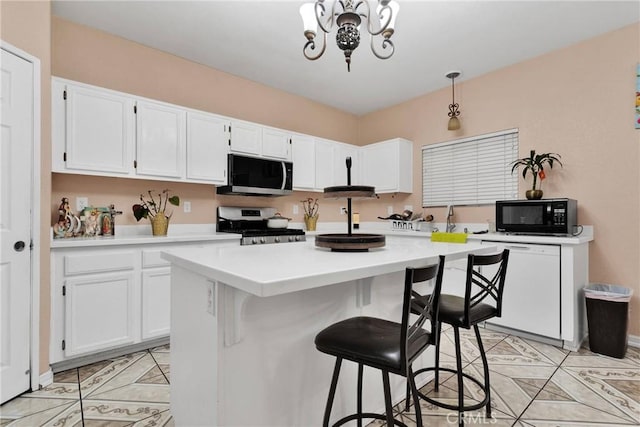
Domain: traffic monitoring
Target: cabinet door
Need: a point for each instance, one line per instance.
(99, 131)
(341, 152)
(304, 162)
(160, 143)
(380, 167)
(98, 312)
(207, 147)
(324, 164)
(531, 298)
(276, 144)
(246, 138)
(156, 302)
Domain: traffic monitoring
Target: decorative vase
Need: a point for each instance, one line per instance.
(534, 194)
(159, 225)
(310, 222)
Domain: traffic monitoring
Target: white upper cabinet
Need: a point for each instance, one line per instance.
(160, 140)
(340, 153)
(388, 166)
(246, 138)
(97, 132)
(207, 147)
(304, 162)
(325, 176)
(276, 143)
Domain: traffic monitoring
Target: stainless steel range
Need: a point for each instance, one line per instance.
(252, 223)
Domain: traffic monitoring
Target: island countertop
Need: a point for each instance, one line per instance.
(268, 270)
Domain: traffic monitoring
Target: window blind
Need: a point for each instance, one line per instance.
(470, 171)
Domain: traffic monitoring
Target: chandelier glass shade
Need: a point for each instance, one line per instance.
(348, 16)
(454, 121)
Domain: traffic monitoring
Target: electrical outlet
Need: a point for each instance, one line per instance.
(187, 206)
(295, 209)
(389, 210)
(343, 210)
(81, 203)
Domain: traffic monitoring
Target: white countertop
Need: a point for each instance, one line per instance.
(267, 270)
(141, 235)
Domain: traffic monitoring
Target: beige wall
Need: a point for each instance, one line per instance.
(27, 26)
(577, 102)
(90, 56)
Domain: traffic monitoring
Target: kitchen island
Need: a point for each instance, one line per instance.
(243, 321)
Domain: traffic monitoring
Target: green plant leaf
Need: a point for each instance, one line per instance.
(140, 212)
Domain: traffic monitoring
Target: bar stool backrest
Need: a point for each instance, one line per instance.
(485, 284)
(412, 329)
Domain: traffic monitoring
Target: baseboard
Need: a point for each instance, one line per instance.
(46, 378)
(633, 341)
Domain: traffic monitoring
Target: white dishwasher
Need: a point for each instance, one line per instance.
(531, 298)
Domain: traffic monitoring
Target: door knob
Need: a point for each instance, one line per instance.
(18, 246)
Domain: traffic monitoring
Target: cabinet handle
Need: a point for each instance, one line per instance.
(524, 248)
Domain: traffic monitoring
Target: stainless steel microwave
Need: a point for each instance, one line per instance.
(544, 216)
(255, 176)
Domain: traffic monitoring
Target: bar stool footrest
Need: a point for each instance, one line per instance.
(366, 415)
(446, 405)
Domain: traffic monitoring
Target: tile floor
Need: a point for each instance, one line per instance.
(533, 384)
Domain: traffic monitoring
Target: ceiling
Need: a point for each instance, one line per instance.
(262, 41)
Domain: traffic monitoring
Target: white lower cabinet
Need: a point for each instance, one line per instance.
(108, 298)
(156, 302)
(98, 312)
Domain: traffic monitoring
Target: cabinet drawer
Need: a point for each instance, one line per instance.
(151, 258)
(99, 262)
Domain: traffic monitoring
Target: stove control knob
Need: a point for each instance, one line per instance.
(297, 238)
(291, 238)
(254, 241)
(262, 240)
(277, 239)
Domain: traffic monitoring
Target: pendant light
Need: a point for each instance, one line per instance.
(454, 121)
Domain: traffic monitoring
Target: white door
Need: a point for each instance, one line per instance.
(380, 166)
(324, 164)
(16, 141)
(160, 142)
(207, 147)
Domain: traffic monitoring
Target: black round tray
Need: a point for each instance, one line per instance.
(350, 243)
(349, 191)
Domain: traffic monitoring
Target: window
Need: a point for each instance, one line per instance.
(470, 171)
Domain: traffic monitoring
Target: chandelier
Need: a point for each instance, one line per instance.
(348, 15)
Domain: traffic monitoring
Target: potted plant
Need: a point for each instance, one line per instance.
(535, 164)
(155, 209)
(310, 207)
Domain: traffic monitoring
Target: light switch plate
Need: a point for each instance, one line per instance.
(295, 209)
(187, 207)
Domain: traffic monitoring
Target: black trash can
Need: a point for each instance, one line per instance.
(608, 318)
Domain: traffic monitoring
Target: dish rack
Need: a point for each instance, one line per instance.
(400, 225)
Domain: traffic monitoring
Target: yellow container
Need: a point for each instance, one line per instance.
(159, 225)
(449, 237)
(310, 222)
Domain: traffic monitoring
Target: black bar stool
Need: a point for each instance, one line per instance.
(385, 345)
(482, 301)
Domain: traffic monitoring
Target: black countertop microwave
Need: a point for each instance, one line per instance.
(254, 176)
(544, 216)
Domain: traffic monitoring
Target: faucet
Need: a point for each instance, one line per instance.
(450, 226)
